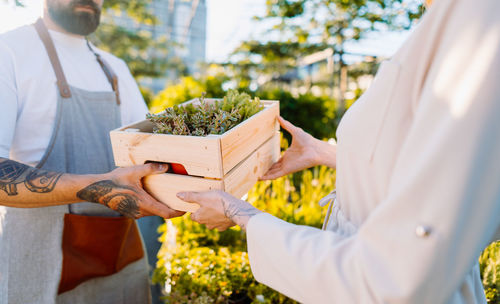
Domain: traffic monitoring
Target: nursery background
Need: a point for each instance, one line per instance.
(315, 56)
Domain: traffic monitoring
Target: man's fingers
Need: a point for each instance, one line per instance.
(145, 213)
(151, 168)
(157, 208)
(168, 213)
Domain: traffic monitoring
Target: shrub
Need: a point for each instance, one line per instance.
(489, 262)
(186, 89)
(314, 114)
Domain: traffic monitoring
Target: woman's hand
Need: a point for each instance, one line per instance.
(304, 152)
(219, 210)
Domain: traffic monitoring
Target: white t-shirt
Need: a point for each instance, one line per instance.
(28, 91)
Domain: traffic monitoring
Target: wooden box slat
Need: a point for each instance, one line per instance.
(211, 156)
(199, 155)
(237, 182)
(242, 178)
(246, 137)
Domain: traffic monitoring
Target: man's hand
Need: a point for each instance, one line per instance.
(304, 152)
(122, 191)
(219, 209)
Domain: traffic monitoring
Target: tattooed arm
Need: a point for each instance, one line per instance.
(23, 186)
(219, 209)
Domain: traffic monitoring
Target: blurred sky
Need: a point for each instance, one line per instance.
(228, 23)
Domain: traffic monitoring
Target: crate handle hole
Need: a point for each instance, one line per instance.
(174, 168)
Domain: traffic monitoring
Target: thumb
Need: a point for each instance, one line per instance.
(285, 124)
(151, 168)
(192, 197)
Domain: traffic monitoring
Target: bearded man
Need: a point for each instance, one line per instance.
(67, 219)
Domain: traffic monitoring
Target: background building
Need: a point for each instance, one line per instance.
(183, 23)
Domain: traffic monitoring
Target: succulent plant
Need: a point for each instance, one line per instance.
(206, 118)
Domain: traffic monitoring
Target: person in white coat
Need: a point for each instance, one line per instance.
(418, 177)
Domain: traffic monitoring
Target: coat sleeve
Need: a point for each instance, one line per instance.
(8, 100)
(443, 201)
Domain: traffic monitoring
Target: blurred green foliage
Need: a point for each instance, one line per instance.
(186, 89)
(134, 47)
(315, 114)
(489, 262)
(299, 28)
(145, 55)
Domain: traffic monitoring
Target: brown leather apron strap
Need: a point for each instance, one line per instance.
(110, 74)
(62, 84)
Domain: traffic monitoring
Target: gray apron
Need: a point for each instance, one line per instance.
(31, 240)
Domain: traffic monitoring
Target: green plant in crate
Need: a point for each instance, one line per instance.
(206, 118)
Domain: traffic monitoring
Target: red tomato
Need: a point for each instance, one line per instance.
(178, 169)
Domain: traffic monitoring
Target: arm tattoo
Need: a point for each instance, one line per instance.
(112, 195)
(13, 173)
(40, 181)
(234, 210)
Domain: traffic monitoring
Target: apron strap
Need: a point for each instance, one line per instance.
(62, 84)
(110, 74)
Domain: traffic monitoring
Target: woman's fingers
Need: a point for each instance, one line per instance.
(192, 197)
(285, 124)
(194, 216)
(274, 171)
(274, 174)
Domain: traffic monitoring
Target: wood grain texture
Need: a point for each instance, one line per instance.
(199, 155)
(238, 182)
(164, 188)
(239, 142)
(244, 176)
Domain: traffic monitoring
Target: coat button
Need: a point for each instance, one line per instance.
(423, 231)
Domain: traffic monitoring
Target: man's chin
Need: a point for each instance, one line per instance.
(80, 20)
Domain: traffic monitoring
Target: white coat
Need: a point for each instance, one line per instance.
(418, 177)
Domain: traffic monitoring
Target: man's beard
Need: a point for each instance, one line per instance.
(76, 22)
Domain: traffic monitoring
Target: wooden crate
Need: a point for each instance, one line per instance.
(232, 162)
